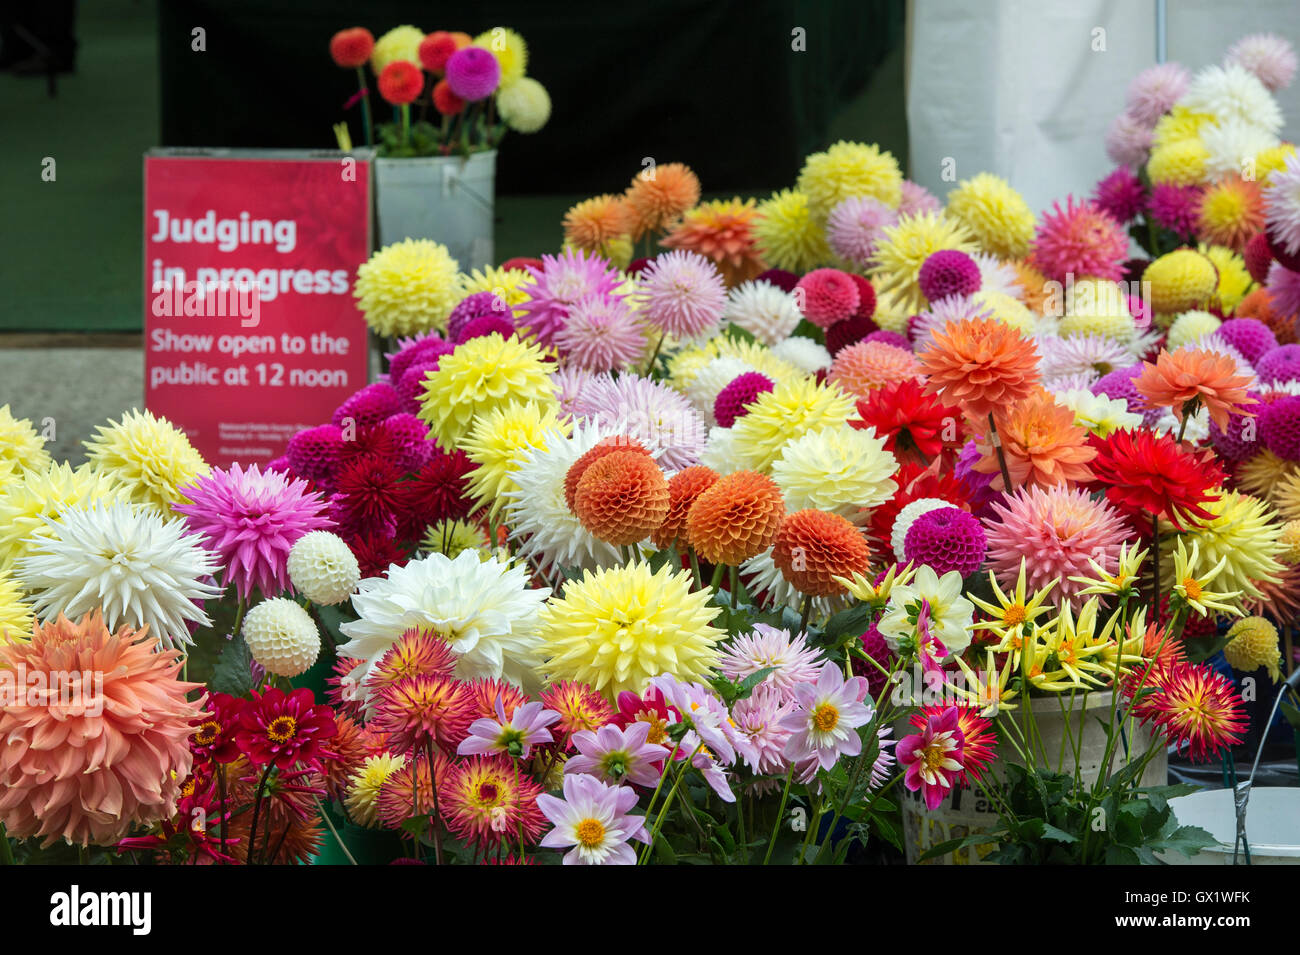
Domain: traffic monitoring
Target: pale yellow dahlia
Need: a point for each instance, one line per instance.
(1189, 327)
(399, 43)
(482, 374)
(501, 438)
(506, 284)
(1244, 533)
(16, 615)
(1180, 124)
(148, 456)
(903, 249)
(1181, 163)
(407, 287)
(615, 629)
(788, 235)
(20, 446)
(847, 170)
(1234, 279)
(1265, 475)
(454, 537)
(363, 787)
(843, 470)
(787, 412)
(525, 106)
(510, 50)
(995, 213)
(1252, 643)
(1007, 310)
(47, 493)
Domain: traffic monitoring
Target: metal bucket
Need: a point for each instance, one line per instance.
(449, 199)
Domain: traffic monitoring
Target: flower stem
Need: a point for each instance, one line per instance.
(437, 814)
(735, 585)
(406, 123)
(695, 568)
(803, 616)
(6, 850)
(365, 107)
(996, 440)
(257, 811)
(649, 366)
(780, 814)
(668, 802)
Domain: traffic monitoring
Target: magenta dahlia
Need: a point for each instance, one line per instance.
(1080, 241)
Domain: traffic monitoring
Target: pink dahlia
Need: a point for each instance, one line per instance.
(106, 747)
(1128, 140)
(314, 453)
(827, 718)
(954, 308)
(1155, 90)
(861, 368)
(602, 334)
(480, 326)
(473, 73)
(683, 294)
(948, 272)
(732, 401)
(369, 406)
(562, 282)
(663, 420)
(615, 755)
(513, 736)
(917, 200)
(411, 385)
(250, 519)
(595, 820)
(829, 296)
(1268, 56)
(1282, 196)
(932, 758)
(1176, 208)
(474, 306)
(759, 718)
(1080, 241)
(790, 658)
(1054, 531)
(1283, 289)
(855, 225)
(1120, 195)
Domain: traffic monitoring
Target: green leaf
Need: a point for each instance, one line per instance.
(735, 331)
(659, 558)
(806, 329)
(1291, 714)
(1200, 650)
(233, 673)
(943, 848)
(1057, 835)
(754, 679)
(1185, 840)
(1121, 855)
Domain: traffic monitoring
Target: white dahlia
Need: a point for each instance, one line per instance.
(322, 568)
(142, 569)
(1232, 142)
(282, 637)
(838, 469)
(804, 353)
(768, 313)
(1232, 91)
(483, 609)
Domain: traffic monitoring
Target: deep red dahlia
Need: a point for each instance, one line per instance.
(1144, 474)
(916, 426)
(284, 728)
(439, 491)
(1196, 708)
(214, 736)
(375, 553)
(369, 496)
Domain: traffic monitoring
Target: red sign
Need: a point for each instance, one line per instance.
(251, 331)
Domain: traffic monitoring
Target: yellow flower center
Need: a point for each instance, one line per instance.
(590, 833)
(282, 729)
(933, 757)
(207, 733)
(825, 717)
(1014, 615)
(1192, 588)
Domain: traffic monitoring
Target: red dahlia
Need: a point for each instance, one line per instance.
(284, 728)
(916, 426)
(1145, 474)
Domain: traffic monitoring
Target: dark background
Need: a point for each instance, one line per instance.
(714, 84)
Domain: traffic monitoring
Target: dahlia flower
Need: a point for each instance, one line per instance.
(482, 608)
(790, 659)
(21, 448)
(1079, 240)
(514, 736)
(615, 629)
(284, 728)
(1241, 530)
(407, 287)
(91, 759)
(1267, 55)
(803, 353)
(15, 614)
(1282, 196)
(1128, 140)
(905, 247)
(839, 469)
(849, 169)
(509, 49)
(593, 818)
(1120, 195)
(364, 786)
(281, 637)
(1252, 644)
(602, 334)
(1195, 708)
(765, 311)
(486, 801)
(148, 456)
(759, 720)
(142, 570)
(855, 225)
(649, 411)
(499, 439)
(784, 414)
(1194, 377)
(37, 495)
(1041, 446)
(322, 568)
(525, 106)
(615, 755)
(720, 230)
(661, 194)
(591, 224)
(829, 713)
(933, 759)
(1233, 92)
(950, 614)
(682, 294)
(1155, 90)
(859, 369)
(788, 235)
(560, 283)
(399, 43)
(980, 365)
(994, 213)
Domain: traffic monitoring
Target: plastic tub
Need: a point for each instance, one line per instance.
(1272, 825)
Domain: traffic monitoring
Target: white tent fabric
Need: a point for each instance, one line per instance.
(1027, 88)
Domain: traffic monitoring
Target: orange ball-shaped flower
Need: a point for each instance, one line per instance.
(660, 194)
(863, 367)
(107, 747)
(1193, 374)
(735, 518)
(814, 547)
(683, 488)
(1041, 443)
(401, 83)
(981, 365)
(1258, 304)
(605, 447)
(592, 223)
(622, 498)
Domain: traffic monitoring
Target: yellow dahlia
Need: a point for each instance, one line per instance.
(500, 439)
(1180, 163)
(721, 230)
(1095, 307)
(507, 284)
(510, 50)
(1265, 475)
(482, 374)
(47, 493)
(1290, 541)
(407, 287)
(849, 170)
(148, 456)
(399, 43)
(842, 470)
(787, 412)
(1180, 124)
(891, 311)
(788, 236)
(1272, 160)
(1180, 280)
(1244, 533)
(1190, 326)
(617, 628)
(1234, 279)
(903, 249)
(1007, 310)
(15, 614)
(453, 537)
(1252, 643)
(20, 446)
(997, 215)
(1232, 212)
(364, 785)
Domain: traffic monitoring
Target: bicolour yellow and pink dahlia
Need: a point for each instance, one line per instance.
(106, 747)
(1079, 241)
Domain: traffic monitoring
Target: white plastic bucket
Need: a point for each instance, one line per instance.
(449, 199)
(1272, 826)
(969, 811)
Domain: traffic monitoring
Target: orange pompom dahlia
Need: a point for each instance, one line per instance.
(683, 488)
(813, 547)
(981, 365)
(1042, 445)
(103, 744)
(592, 223)
(659, 195)
(863, 367)
(579, 467)
(622, 498)
(721, 231)
(736, 518)
(1197, 376)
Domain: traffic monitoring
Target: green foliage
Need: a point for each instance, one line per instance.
(233, 673)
